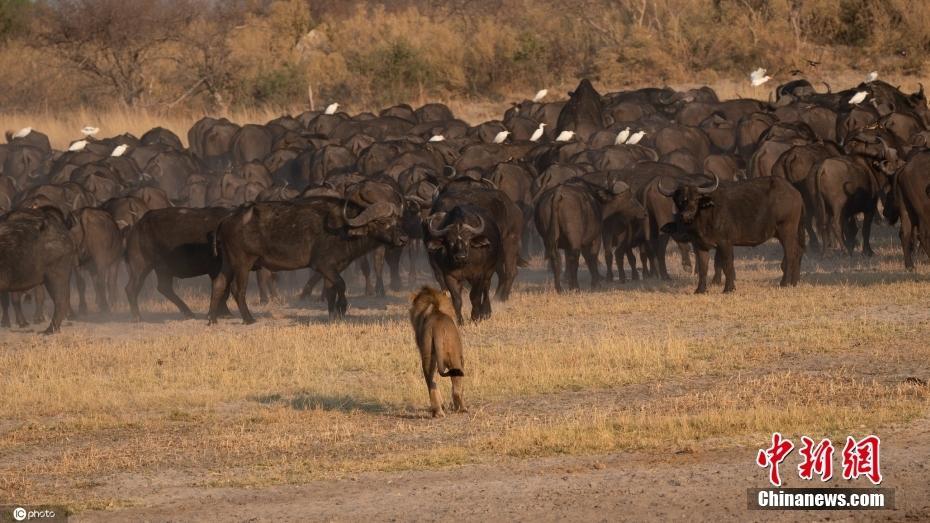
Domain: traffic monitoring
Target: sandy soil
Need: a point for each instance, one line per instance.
(638, 486)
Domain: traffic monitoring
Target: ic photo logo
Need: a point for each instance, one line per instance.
(33, 514)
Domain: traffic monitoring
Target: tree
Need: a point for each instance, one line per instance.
(114, 41)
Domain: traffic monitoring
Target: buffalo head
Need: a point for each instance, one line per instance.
(456, 233)
(690, 199)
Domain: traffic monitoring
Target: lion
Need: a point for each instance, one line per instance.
(431, 314)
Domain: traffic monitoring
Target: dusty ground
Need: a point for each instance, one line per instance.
(640, 400)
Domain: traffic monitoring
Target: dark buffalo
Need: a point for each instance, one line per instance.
(570, 217)
(508, 219)
(465, 245)
(910, 202)
(175, 243)
(323, 233)
(99, 245)
(35, 248)
(583, 113)
(846, 187)
(746, 213)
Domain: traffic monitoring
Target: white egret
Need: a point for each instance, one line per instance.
(537, 134)
(565, 136)
(858, 98)
(758, 77)
(331, 108)
(119, 150)
(22, 133)
(90, 131)
(636, 138)
(622, 136)
(540, 95)
(437, 138)
(501, 136)
(872, 77)
(78, 145)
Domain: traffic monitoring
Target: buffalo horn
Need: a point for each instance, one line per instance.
(708, 190)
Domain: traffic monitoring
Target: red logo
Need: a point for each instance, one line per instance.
(861, 459)
(774, 455)
(817, 460)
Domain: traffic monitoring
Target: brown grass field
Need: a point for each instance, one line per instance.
(113, 419)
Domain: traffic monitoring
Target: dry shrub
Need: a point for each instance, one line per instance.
(246, 54)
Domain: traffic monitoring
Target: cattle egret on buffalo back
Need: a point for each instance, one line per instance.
(565, 136)
(537, 134)
(622, 136)
(437, 138)
(858, 98)
(758, 77)
(331, 108)
(119, 150)
(501, 136)
(90, 131)
(78, 146)
(872, 77)
(636, 138)
(22, 133)
(540, 95)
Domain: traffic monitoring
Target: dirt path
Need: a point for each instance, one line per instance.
(637, 486)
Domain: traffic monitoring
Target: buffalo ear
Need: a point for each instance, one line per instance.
(434, 245)
(705, 203)
(358, 231)
(480, 242)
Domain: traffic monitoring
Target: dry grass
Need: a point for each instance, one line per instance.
(648, 366)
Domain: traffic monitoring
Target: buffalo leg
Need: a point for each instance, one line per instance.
(219, 293)
(703, 257)
(58, 285)
(906, 233)
(571, 268)
(100, 289)
(555, 262)
(307, 291)
(507, 272)
(724, 254)
(685, 256)
(659, 250)
(365, 268)
(17, 299)
(377, 266)
(609, 248)
(836, 222)
(619, 254)
(82, 289)
(166, 288)
(5, 309)
(718, 268)
(38, 295)
(393, 256)
(412, 249)
(137, 277)
(455, 289)
(867, 233)
(241, 280)
(590, 259)
(480, 299)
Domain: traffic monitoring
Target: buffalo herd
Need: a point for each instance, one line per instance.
(621, 172)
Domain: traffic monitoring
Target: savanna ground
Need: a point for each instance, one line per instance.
(639, 400)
